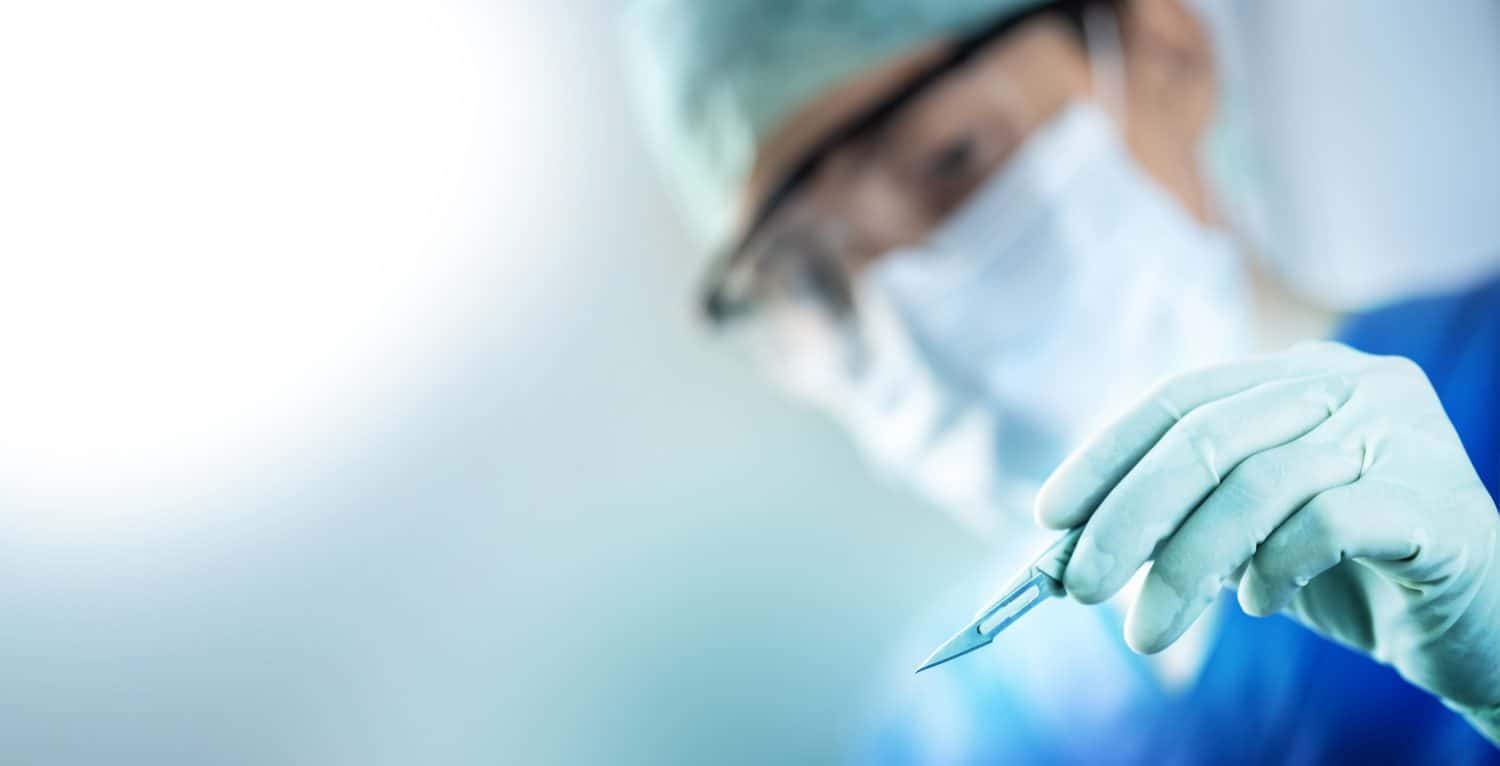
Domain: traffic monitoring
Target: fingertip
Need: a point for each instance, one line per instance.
(1141, 640)
(1050, 517)
(1150, 625)
(1084, 577)
(1144, 644)
(1148, 629)
(1252, 608)
(1252, 595)
(1056, 506)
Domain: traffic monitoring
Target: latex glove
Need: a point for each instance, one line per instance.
(1321, 482)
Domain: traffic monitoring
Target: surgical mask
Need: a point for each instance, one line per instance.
(1058, 293)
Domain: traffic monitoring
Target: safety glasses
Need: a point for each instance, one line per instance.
(783, 259)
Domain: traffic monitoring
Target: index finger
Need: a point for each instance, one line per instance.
(1072, 493)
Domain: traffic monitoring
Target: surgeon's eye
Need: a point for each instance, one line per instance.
(954, 160)
(950, 172)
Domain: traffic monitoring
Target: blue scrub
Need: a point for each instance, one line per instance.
(1062, 688)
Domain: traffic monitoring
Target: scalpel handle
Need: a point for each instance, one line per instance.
(1054, 561)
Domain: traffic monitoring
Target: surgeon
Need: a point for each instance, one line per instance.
(988, 237)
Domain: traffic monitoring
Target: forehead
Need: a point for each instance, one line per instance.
(790, 141)
(1038, 57)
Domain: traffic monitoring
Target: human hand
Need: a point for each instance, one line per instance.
(1321, 482)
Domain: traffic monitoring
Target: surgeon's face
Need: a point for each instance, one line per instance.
(892, 186)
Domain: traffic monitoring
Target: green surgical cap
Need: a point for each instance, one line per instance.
(713, 77)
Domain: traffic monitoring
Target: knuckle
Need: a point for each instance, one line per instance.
(1207, 424)
(1178, 395)
(1198, 424)
(1400, 364)
(1191, 443)
(1167, 397)
(1403, 368)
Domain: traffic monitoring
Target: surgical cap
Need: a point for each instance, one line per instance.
(713, 78)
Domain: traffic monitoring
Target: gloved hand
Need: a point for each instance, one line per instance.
(1321, 482)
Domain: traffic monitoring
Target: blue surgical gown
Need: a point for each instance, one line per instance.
(1062, 688)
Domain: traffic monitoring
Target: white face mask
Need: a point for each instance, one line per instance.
(1061, 290)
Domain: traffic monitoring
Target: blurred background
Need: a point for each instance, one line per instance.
(352, 409)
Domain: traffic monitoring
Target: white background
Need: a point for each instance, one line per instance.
(352, 412)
